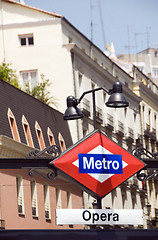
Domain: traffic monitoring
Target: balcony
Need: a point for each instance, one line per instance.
(138, 138)
(99, 115)
(134, 184)
(120, 129)
(150, 132)
(153, 134)
(130, 134)
(86, 107)
(147, 131)
(109, 122)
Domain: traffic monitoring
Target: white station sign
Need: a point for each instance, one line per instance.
(99, 216)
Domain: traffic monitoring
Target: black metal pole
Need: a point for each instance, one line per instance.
(99, 203)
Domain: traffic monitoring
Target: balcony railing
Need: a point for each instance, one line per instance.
(150, 132)
(153, 134)
(147, 131)
(99, 115)
(86, 107)
(130, 134)
(134, 182)
(110, 122)
(120, 129)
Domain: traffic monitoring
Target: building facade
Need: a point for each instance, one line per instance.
(47, 43)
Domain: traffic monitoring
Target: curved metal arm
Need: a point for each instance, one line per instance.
(138, 152)
(142, 176)
(94, 90)
(94, 105)
(149, 159)
(54, 150)
(50, 175)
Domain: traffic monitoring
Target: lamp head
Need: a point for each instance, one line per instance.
(117, 98)
(72, 112)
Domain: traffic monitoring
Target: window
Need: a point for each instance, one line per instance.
(50, 137)
(27, 132)
(26, 40)
(46, 201)
(39, 136)
(34, 198)
(155, 72)
(80, 77)
(58, 197)
(69, 200)
(70, 40)
(20, 199)
(80, 84)
(144, 116)
(13, 126)
(29, 79)
(150, 120)
(62, 142)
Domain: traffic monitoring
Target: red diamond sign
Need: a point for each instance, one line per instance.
(98, 164)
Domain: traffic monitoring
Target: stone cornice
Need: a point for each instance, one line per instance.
(10, 148)
(144, 90)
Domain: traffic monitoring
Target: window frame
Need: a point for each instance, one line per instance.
(27, 132)
(27, 38)
(47, 201)
(50, 137)
(13, 126)
(29, 80)
(20, 195)
(61, 142)
(34, 201)
(39, 136)
(155, 72)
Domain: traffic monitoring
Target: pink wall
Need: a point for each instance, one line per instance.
(9, 206)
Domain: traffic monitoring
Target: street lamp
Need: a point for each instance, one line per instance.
(116, 100)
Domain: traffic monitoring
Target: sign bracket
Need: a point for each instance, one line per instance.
(151, 160)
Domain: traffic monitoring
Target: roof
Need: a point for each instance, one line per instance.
(20, 103)
(33, 8)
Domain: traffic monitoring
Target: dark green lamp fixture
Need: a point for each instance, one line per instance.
(116, 100)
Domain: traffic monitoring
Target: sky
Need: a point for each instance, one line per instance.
(131, 25)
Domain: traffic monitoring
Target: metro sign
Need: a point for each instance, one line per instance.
(97, 164)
